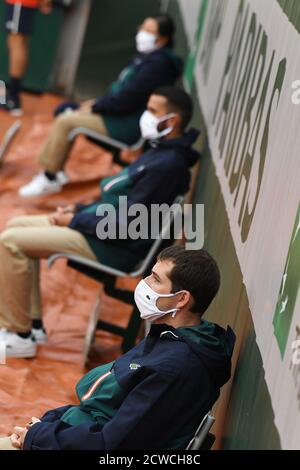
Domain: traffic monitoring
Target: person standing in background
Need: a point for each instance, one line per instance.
(19, 23)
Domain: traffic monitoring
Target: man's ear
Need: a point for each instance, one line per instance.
(175, 121)
(185, 298)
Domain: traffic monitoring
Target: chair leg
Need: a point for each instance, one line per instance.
(91, 329)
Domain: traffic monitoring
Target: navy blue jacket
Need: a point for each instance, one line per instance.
(124, 102)
(158, 176)
(176, 382)
(159, 68)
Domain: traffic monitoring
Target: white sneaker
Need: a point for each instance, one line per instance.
(3, 332)
(16, 112)
(40, 335)
(62, 177)
(17, 346)
(39, 185)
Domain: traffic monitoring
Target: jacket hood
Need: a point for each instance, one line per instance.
(174, 58)
(211, 343)
(183, 143)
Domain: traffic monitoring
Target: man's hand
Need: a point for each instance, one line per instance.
(46, 7)
(19, 434)
(86, 106)
(131, 156)
(61, 219)
(63, 215)
(15, 441)
(71, 208)
(18, 437)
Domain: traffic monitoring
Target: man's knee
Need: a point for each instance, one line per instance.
(15, 222)
(17, 40)
(10, 238)
(28, 221)
(64, 122)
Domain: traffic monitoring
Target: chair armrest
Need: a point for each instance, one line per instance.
(97, 136)
(104, 139)
(8, 138)
(138, 144)
(86, 262)
(201, 433)
(137, 272)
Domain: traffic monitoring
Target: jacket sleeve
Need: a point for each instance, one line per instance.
(142, 422)
(85, 222)
(56, 413)
(133, 96)
(151, 183)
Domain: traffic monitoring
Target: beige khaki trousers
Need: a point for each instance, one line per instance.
(57, 148)
(5, 444)
(23, 243)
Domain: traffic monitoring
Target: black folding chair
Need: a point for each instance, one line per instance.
(203, 439)
(112, 145)
(8, 138)
(108, 277)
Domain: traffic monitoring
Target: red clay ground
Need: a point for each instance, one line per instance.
(29, 387)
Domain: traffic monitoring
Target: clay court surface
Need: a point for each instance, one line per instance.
(29, 387)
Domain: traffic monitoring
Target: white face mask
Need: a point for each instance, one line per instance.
(149, 125)
(145, 42)
(146, 298)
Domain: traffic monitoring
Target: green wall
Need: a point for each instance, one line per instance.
(245, 418)
(109, 42)
(250, 418)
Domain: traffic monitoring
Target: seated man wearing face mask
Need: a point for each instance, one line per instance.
(157, 177)
(154, 396)
(117, 113)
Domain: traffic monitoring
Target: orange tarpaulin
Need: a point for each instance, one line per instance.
(29, 387)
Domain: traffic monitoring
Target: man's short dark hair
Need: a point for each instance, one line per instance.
(195, 271)
(178, 101)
